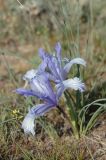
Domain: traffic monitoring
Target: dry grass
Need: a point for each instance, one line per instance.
(19, 41)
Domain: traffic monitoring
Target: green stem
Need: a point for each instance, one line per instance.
(78, 94)
(73, 114)
(63, 112)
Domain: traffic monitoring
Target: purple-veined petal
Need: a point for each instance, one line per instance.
(68, 66)
(50, 92)
(36, 85)
(28, 124)
(28, 92)
(41, 109)
(35, 112)
(60, 89)
(41, 85)
(52, 66)
(58, 67)
(51, 62)
(74, 83)
(48, 63)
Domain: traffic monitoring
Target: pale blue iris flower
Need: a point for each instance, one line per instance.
(39, 86)
(51, 68)
(58, 71)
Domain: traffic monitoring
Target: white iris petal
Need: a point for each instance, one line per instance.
(74, 83)
(30, 75)
(28, 124)
(68, 66)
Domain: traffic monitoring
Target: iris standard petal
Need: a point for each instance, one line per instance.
(52, 66)
(68, 66)
(52, 63)
(74, 83)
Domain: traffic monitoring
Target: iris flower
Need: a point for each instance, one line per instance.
(51, 68)
(58, 71)
(40, 87)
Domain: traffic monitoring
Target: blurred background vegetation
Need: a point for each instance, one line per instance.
(80, 25)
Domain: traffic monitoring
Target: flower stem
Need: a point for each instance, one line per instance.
(63, 112)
